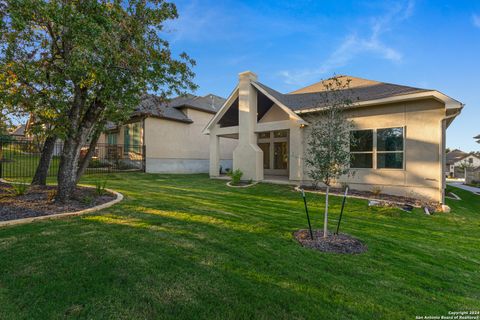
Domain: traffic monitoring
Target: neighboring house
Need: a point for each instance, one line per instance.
(458, 160)
(168, 134)
(272, 129)
(19, 133)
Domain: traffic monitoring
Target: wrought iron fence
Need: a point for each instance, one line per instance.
(19, 158)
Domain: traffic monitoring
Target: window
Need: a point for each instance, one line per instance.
(132, 137)
(280, 134)
(390, 148)
(387, 149)
(470, 160)
(112, 138)
(264, 135)
(361, 149)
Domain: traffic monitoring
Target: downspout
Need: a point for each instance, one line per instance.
(441, 152)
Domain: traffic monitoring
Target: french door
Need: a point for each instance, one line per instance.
(274, 145)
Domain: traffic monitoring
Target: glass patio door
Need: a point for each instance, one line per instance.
(274, 145)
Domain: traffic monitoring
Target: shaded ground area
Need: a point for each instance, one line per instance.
(38, 201)
(341, 243)
(184, 246)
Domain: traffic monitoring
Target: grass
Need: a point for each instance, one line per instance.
(21, 165)
(183, 247)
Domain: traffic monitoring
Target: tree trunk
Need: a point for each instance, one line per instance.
(41, 173)
(67, 171)
(80, 130)
(325, 221)
(91, 150)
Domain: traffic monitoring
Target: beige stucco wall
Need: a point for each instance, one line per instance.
(275, 113)
(423, 151)
(178, 147)
(168, 139)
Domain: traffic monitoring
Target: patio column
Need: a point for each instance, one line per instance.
(247, 156)
(296, 152)
(214, 155)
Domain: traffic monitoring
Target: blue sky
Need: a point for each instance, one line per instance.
(290, 44)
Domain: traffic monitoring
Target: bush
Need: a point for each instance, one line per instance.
(51, 195)
(96, 163)
(101, 187)
(376, 191)
(19, 189)
(236, 176)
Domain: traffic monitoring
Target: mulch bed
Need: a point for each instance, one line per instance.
(35, 202)
(370, 195)
(341, 243)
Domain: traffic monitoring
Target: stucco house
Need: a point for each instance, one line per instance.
(401, 132)
(457, 160)
(167, 135)
(19, 133)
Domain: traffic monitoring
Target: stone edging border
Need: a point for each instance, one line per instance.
(65, 214)
(297, 188)
(229, 183)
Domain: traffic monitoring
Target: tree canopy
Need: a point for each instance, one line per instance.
(74, 64)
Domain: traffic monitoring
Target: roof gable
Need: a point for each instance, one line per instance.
(354, 82)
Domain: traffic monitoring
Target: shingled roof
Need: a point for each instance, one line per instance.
(19, 131)
(455, 156)
(154, 106)
(359, 90)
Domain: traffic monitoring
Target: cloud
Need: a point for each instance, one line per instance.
(476, 20)
(355, 44)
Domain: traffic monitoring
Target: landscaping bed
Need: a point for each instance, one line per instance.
(393, 200)
(341, 243)
(38, 201)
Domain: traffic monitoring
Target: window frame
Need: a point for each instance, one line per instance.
(384, 152)
(375, 152)
(365, 152)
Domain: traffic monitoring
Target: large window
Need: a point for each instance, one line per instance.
(112, 138)
(132, 138)
(387, 149)
(361, 149)
(390, 148)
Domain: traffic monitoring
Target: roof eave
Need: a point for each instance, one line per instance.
(187, 106)
(288, 110)
(231, 98)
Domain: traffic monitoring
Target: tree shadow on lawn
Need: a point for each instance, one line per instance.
(153, 266)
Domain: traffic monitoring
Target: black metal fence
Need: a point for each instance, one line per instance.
(19, 158)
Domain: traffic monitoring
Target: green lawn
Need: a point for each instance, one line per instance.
(21, 165)
(186, 247)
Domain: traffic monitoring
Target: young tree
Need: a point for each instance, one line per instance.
(76, 64)
(327, 153)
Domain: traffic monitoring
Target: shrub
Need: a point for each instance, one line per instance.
(87, 200)
(51, 195)
(376, 191)
(236, 176)
(96, 163)
(19, 189)
(101, 187)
